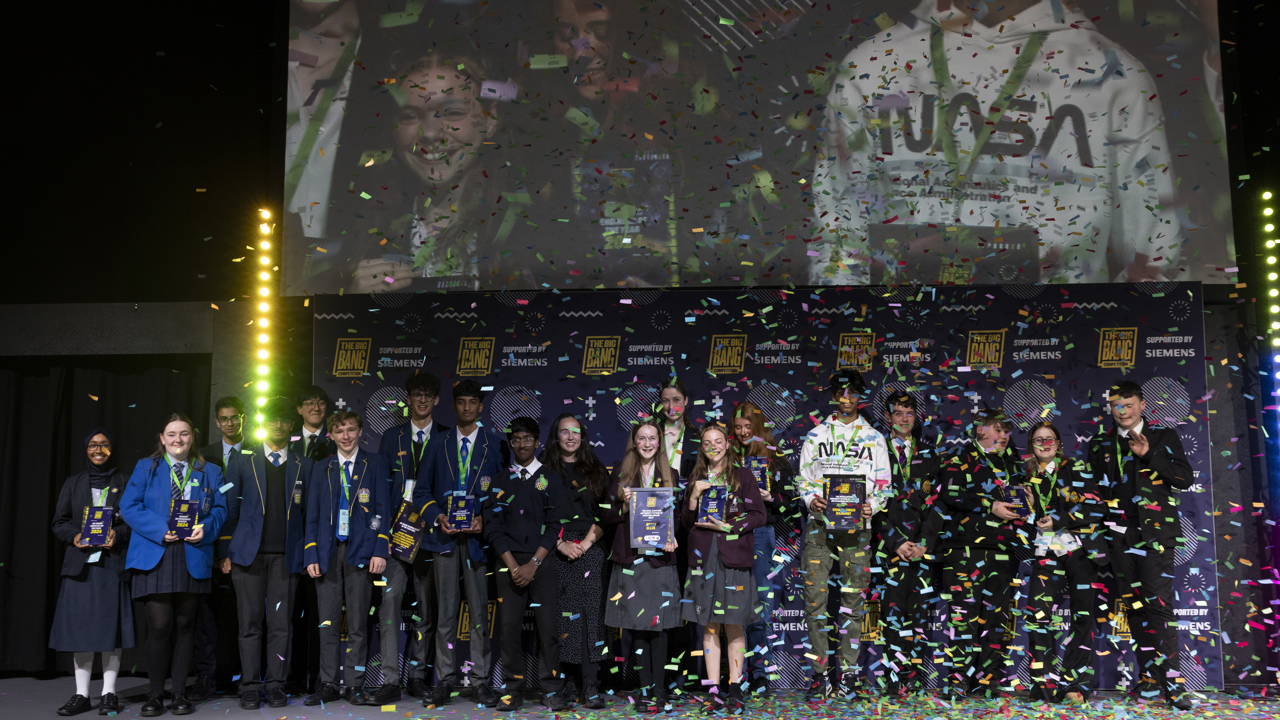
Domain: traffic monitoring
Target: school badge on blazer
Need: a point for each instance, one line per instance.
(484, 483)
(542, 483)
(364, 495)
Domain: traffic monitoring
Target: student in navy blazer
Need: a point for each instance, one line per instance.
(461, 555)
(344, 560)
(261, 548)
(409, 452)
(171, 573)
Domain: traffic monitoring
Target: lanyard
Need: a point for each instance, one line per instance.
(346, 481)
(942, 73)
(463, 467)
(417, 458)
(674, 447)
(1051, 482)
(182, 486)
(294, 176)
(716, 478)
(646, 479)
(99, 496)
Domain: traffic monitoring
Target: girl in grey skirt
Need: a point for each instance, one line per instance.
(721, 589)
(644, 589)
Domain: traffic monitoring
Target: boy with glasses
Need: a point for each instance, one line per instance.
(314, 442)
(229, 416)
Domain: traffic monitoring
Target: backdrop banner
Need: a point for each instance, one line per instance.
(1035, 351)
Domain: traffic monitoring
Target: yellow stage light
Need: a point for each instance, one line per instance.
(265, 228)
(262, 338)
(266, 215)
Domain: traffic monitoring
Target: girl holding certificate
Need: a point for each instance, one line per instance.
(95, 605)
(171, 571)
(644, 589)
(757, 446)
(1070, 544)
(580, 570)
(721, 589)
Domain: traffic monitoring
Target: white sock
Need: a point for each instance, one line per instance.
(83, 662)
(110, 669)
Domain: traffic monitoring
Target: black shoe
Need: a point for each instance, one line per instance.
(511, 698)
(201, 689)
(892, 691)
(385, 695)
(153, 707)
(484, 695)
(1038, 694)
(328, 693)
(181, 705)
(556, 703)
(759, 687)
(571, 694)
(733, 704)
(1144, 690)
(952, 692)
(277, 698)
(1180, 702)
(76, 705)
(591, 697)
(417, 688)
(358, 697)
(439, 695)
(819, 688)
(851, 688)
(715, 702)
(108, 704)
(250, 700)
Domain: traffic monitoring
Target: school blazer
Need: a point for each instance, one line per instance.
(68, 521)
(212, 454)
(370, 498)
(914, 513)
(322, 450)
(145, 506)
(247, 508)
(1157, 481)
(396, 448)
(488, 460)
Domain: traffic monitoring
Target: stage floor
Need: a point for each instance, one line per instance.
(22, 698)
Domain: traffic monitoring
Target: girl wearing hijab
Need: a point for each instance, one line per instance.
(95, 605)
(171, 572)
(644, 590)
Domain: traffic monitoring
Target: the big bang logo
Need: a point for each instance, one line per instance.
(728, 354)
(351, 359)
(986, 348)
(1117, 347)
(475, 355)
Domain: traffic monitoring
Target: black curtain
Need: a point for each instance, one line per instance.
(47, 404)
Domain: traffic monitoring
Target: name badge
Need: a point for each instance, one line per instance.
(344, 523)
(408, 489)
(364, 495)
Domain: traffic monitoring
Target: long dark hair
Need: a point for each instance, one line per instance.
(586, 465)
(731, 460)
(629, 468)
(194, 456)
(1033, 465)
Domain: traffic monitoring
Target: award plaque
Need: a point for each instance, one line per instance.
(406, 532)
(759, 467)
(845, 495)
(711, 504)
(652, 512)
(462, 511)
(183, 515)
(1018, 497)
(97, 524)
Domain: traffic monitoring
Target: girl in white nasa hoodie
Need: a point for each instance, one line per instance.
(1073, 152)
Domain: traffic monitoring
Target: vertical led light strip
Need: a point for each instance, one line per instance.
(1273, 296)
(262, 320)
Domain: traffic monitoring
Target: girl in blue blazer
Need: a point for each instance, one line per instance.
(170, 573)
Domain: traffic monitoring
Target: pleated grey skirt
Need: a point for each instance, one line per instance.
(170, 575)
(648, 597)
(94, 612)
(720, 594)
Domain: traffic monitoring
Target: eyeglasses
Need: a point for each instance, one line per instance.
(1045, 441)
(277, 422)
(314, 404)
(99, 446)
(524, 441)
(421, 396)
(229, 420)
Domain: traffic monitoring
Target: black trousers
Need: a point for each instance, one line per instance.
(171, 621)
(264, 598)
(1049, 575)
(1144, 575)
(513, 601)
(980, 617)
(422, 630)
(352, 586)
(908, 594)
(304, 670)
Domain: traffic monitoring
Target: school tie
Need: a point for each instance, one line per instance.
(524, 474)
(311, 445)
(421, 434)
(343, 502)
(902, 454)
(462, 461)
(275, 459)
(177, 480)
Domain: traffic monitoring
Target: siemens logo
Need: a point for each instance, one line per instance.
(1037, 355)
(1171, 352)
(408, 363)
(908, 357)
(777, 359)
(651, 360)
(524, 362)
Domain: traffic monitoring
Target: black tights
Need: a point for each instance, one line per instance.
(652, 648)
(170, 639)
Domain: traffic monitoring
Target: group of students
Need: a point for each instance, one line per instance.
(936, 527)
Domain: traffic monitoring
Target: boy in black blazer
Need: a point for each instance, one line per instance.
(1140, 470)
(261, 547)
